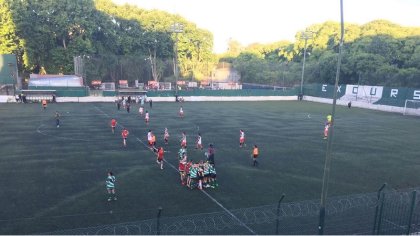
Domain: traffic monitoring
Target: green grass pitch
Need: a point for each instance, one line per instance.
(54, 178)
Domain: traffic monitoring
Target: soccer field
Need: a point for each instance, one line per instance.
(54, 178)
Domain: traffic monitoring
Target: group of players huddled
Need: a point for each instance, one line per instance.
(201, 174)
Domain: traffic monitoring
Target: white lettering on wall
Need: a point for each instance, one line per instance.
(394, 93)
(324, 88)
(339, 89)
(416, 94)
(373, 91)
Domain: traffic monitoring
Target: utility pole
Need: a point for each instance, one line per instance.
(327, 166)
(305, 35)
(176, 28)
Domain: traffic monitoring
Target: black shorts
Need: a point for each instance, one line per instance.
(213, 176)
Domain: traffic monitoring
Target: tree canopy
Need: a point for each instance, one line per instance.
(115, 42)
(377, 53)
(127, 42)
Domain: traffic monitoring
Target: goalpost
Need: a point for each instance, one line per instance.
(412, 107)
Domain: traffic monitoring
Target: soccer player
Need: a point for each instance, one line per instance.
(200, 175)
(326, 128)
(113, 125)
(128, 107)
(213, 181)
(193, 175)
(150, 138)
(199, 144)
(110, 186)
(241, 138)
(159, 160)
(255, 154)
(181, 112)
(184, 140)
(166, 136)
(210, 154)
(124, 102)
(181, 167)
(187, 173)
(44, 104)
(141, 110)
(57, 119)
(124, 135)
(329, 119)
(181, 153)
(153, 142)
(206, 171)
(118, 103)
(146, 117)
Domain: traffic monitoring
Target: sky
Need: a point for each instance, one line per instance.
(266, 21)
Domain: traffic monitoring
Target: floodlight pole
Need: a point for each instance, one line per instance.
(327, 165)
(13, 75)
(176, 28)
(305, 35)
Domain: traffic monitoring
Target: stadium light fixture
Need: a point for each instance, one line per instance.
(305, 35)
(176, 28)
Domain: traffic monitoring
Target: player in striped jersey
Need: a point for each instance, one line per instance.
(193, 175)
(146, 117)
(212, 179)
(206, 172)
(110, 186)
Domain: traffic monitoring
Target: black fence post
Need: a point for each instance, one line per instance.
(278, 214)
(413, 206)
(158, 221)
(381, 208)
(377, 209)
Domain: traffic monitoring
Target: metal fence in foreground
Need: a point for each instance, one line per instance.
(384, 212)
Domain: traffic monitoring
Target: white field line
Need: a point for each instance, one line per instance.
(203, 191)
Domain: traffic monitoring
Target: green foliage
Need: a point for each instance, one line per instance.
(50, 33)
(377, 53)
(127, 42)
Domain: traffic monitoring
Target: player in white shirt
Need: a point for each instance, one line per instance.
(166, 136)
(181, 112)
(184, 140)
(141, 109)
(146, 117)
(150, 138)
(199, 143)
(241, 138)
